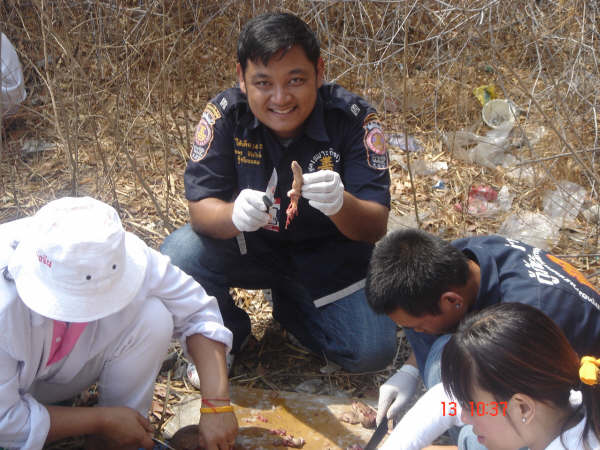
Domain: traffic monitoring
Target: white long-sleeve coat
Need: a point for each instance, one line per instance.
(25, 340)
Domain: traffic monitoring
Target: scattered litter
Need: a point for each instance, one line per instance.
(422, 167)
(490, 150)
(439, 185)
(36, 146)
(409, 143)
(12, 85)
(532, 228)
(484, 201)
(562, 205)
(592, 214)
(524, 174)
(485, 93)
(499, 113)
(523, 137)
(483, 192)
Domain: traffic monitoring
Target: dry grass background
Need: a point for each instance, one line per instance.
(115, 89)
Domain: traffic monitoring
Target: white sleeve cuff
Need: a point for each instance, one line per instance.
(411, 370)
(429, 418)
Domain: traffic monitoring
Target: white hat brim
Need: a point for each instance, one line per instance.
(65, 306)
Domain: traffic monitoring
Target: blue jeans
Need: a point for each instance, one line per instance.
(346, 332)
(428, 351)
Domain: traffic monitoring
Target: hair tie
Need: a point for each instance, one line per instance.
(589, 370)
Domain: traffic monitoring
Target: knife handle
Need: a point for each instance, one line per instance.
(267, 201)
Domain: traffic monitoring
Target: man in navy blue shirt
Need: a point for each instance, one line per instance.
(281, 112)
(427, 285)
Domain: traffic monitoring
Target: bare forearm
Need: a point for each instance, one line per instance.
(209, 358)
(119, 426)
(212, 217)
(68, 421)
(361, 220)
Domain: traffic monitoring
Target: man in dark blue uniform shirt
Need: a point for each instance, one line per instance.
(427, 285)
(316, 266)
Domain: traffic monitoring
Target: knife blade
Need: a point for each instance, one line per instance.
(269, 197)
(378, 435)
(163, 443)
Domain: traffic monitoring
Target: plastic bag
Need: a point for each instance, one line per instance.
(422, 167)
(592, 214)
(490, 150)
(532, 228)
(485, 201)
(562, 205)
(11, 76)
(400, 141)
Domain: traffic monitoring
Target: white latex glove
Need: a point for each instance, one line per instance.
(425, 421)
(249, 211)
(324, 191)
(396, 392)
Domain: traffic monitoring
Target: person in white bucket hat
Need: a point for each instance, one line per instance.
(82, 301)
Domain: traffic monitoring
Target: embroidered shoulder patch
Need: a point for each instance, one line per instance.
(374, 141)
(204, 132)
(211, 114)
(198, 152)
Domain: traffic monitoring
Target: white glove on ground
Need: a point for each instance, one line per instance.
(249, 211)
(324, 191)
(396, 392)
(425, 421)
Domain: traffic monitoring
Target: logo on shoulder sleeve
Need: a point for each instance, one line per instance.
(198, 152)
(374, 141)
(204, 132)
(211, 113)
